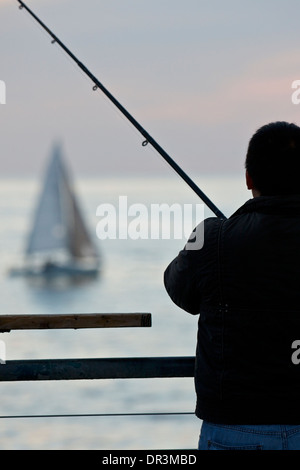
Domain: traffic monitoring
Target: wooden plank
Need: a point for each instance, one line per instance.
(104, 368)
(85, 320)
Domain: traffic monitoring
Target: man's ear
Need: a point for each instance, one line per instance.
(249, 181)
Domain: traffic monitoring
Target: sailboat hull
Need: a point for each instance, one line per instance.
(68, 270)
(55, 270)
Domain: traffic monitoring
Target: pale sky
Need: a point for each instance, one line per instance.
(199, 76)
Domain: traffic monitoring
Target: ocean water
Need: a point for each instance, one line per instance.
(131, 280)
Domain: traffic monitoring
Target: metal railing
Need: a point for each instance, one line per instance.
(87, 368)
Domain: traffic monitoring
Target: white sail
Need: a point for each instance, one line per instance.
(58, 224)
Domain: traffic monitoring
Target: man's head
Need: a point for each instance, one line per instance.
(273, 160)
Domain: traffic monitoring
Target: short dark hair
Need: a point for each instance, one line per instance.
(273, 159)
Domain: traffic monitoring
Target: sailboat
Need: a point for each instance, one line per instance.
(59, 242)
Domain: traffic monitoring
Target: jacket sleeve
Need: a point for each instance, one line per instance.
(193, 272)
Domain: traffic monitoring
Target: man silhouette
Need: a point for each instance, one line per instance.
(245, 284)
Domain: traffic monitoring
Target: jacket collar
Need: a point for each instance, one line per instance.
(271, 205)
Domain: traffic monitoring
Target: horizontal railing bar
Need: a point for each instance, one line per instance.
(95, 415)
(75, 321)
(104, 368)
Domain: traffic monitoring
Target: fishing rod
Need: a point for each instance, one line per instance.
(143, 132)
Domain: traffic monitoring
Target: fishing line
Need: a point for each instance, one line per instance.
(148, 139)
(95, 415)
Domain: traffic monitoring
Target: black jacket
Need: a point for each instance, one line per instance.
(245, 283)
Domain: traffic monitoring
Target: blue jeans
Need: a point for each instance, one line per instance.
(249, 437)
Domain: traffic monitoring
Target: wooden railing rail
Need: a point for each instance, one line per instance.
(103, 368)
(92, 368)
(83, 320)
